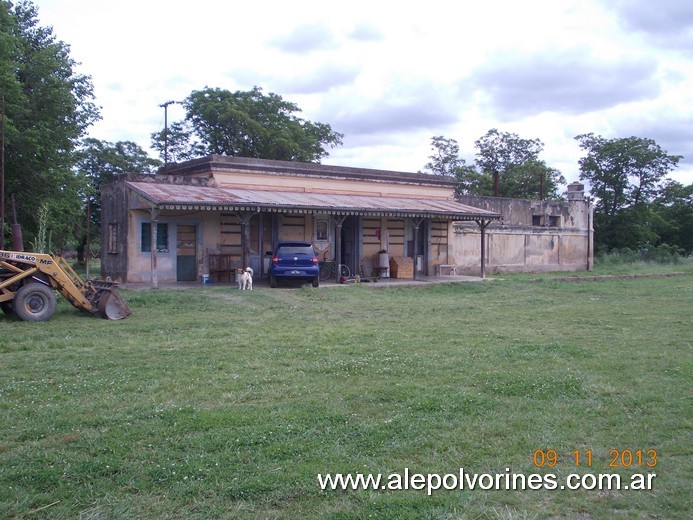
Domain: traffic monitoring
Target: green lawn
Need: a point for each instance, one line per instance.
(216, 403)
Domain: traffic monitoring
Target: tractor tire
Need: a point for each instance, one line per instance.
(34, 302)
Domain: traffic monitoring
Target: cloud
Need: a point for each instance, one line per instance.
(305, 39)
(572, 82)
(318, 80)
(376, 116)
(673, 133)
(312, 79)
(365, 32)
(668, 23)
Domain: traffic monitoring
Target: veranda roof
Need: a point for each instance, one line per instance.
(187, 197)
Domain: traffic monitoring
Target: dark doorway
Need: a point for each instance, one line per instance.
(419, 256)
(350, 243)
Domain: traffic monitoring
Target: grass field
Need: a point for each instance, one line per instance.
(212, 403)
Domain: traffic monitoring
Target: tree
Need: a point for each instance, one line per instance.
(625, 175)
(48, 108)
(500, 152)
(532, 179)
(445, 160)
(523, 176)
(673, 215)
(245, 124)
(623, 171)
(100, 162)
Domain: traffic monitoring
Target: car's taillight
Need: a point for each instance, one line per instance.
(315, 259)
(275, 260)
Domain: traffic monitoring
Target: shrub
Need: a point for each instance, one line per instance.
(662, 254)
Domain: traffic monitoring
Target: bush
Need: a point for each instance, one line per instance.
(662, 254)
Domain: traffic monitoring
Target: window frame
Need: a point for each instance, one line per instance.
(113, 238)
(161, 237)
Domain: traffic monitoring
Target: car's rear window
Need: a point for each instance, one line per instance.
(295, 250)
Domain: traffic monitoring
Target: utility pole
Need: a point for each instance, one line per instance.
(165, 107)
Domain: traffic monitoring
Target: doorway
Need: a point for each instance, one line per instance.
(350, 243)
(419, 256)
(186, 253)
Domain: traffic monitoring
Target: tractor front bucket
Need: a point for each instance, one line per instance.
(112, 306)
(105, 296)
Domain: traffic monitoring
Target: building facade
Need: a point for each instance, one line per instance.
(212, 215)
(532, 236)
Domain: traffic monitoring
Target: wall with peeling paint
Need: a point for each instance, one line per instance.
(533, 235)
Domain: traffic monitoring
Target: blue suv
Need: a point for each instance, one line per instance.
(294, 260)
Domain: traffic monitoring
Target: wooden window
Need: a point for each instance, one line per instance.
(113, 238)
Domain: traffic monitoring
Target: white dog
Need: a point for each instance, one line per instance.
(245, 279)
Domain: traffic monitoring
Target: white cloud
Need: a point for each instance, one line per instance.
(306, 39)
(570, 82)
(390, 76)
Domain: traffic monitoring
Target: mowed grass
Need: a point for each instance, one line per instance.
(212, 403)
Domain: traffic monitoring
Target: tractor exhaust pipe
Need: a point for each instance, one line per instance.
(17, 239)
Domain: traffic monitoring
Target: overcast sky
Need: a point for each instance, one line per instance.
(391, 75)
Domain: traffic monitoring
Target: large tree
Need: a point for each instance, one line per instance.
(625, 175)
(100, 162)
(524, 176)
(501, 152)
(445, 160)
(533, 179)
(673, 215)
(245, 124)
(47, 109)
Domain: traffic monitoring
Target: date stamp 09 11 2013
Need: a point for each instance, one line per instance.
(617, 458)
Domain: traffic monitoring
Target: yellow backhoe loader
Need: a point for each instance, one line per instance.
(28, 281)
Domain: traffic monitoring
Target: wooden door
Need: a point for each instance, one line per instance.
(186, 253)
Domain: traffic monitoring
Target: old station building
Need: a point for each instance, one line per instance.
(209, 216)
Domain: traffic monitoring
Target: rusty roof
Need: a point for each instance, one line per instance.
(187, 197)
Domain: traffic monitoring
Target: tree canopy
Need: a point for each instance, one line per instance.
(100, 162)
(47, 108)
(625, 176)
(673, 215)
(245, 124)
(506, 166)
(499, 153)
(446, 158)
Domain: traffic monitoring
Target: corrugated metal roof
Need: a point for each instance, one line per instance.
(186, 197)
